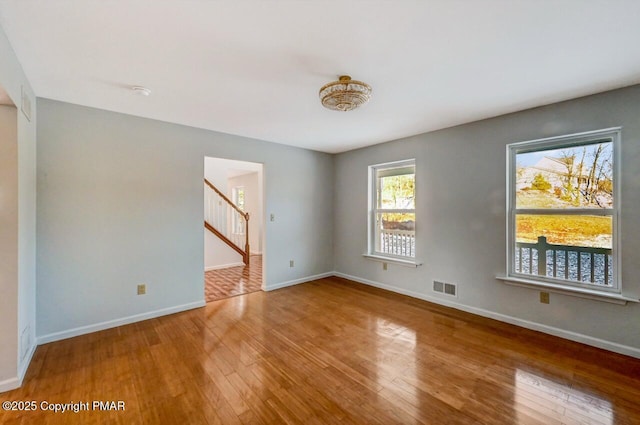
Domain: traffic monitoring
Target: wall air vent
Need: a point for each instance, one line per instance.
(450, 289)
(438, 286)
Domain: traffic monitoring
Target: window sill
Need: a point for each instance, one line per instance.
(566, 290)
(393, 260)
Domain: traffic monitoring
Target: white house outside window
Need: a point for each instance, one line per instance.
(563, 206)
(392, 220)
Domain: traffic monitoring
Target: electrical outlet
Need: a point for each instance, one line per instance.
(290, 263)
(544, 297)
(142, 289)
(272, 217)
(384, 266)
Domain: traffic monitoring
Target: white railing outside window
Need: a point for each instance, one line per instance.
(563, 203)
(572, 263)
(398, 242)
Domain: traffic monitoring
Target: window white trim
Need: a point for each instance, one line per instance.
(569, 290)
(391, 169)
(612, 135)
(387, 259)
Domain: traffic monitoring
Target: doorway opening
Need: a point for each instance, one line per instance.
(234, 228)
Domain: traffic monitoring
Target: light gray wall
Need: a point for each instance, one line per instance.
(120, 203)
(461, 213)
(8, 239)
(17, 314)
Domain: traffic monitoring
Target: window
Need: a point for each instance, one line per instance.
(562, 205)
(392, 213)
(237, 197)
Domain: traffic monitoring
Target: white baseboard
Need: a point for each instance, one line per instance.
(562, 333)
(10, 384)
(298, 281)
(223, 266)
(70, 333)
(16, 382)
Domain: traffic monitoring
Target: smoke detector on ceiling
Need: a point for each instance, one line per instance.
(142, 91)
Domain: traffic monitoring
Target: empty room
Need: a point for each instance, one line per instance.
(319, 212)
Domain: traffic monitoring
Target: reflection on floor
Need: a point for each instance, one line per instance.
(330, 351)
(225, 283)
(559, 401)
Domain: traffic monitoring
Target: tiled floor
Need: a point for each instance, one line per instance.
(225, 283)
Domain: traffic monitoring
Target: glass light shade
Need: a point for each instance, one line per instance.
(345, 94)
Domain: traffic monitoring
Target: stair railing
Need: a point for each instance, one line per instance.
(225, 220)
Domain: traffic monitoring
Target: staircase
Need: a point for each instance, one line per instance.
(225, 220)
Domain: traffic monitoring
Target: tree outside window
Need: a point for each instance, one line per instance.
(393, 218)
(563, 209)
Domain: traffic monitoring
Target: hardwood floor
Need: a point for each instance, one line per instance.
(232, 281)
(329, 352)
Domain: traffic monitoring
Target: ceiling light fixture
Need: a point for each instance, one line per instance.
(345, 94)
(142, 91)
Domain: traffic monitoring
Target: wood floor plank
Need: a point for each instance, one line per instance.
(329, 352)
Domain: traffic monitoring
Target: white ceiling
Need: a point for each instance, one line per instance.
(254, 67)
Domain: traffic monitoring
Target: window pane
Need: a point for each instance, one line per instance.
(395, 234)
(570, 177)
(396, 192)
(574, 230)
(571, 247)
